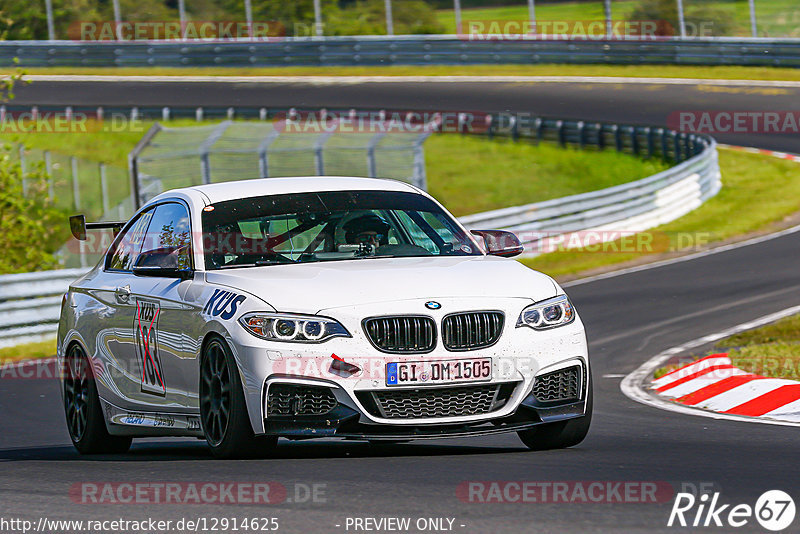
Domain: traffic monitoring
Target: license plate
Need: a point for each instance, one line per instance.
(438, 372)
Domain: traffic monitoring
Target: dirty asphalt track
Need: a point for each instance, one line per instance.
(629, 318)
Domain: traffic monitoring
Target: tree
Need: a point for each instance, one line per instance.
(28, 19)
(30, 227)
(700, 17)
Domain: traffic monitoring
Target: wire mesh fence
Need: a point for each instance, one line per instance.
(298, 144)
(102, 192)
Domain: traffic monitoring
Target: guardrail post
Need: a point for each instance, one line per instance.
(581, 132)
(617, 137)
(601, 136)
(76, 191)
(165, 113)
(635, 140)
(650, 142)
(262, 114)
(489, 126)
(560, 132)
(538, 124)
(664, 148)
(676, 147)
(104, 189)
(48, 166)
(21, 151)
(372, 167)
(514, 128)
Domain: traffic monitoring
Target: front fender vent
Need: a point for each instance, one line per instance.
(559, 386)
(295, 399)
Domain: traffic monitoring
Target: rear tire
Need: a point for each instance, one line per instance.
(84, 414)
(223, 411)
(561, 434)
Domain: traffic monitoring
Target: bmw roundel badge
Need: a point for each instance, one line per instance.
(432, 305)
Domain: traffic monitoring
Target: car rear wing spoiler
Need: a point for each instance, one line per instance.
(78, 226)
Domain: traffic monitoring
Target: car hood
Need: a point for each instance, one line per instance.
(311, 287)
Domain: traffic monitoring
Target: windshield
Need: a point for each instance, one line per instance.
(328, 226)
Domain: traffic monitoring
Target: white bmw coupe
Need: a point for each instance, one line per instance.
(315, 307)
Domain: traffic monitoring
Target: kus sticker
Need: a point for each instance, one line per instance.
(146, 332)
(223, 304)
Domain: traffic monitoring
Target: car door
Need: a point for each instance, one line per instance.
(115, 339)
(160, 313)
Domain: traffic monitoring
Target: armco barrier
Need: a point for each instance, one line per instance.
(30, 304)
(634, 206)
(402, 50)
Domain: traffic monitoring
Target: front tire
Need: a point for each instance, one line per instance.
(223, 411)
(85, 422)
(561, 434)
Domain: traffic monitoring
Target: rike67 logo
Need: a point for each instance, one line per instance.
(774, 510)
(146, 331)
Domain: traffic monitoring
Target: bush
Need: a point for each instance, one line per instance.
(31, 229)
(700, 18)
(368, 17)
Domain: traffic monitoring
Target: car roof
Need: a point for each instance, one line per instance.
(223, 191)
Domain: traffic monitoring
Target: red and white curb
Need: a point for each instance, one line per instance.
(773, 153)
(637, 384)
(714, 383)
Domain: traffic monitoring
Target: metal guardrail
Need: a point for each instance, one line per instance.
(626, 208)
(30, 304)
(403, 50)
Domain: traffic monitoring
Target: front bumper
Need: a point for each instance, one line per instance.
(519, 357)
(346, 420)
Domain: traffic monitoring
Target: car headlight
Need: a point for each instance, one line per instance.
(549, 313)
(292, 328)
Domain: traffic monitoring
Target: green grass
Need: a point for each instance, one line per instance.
(772, 350)
(470, 175)
(629, 71)
(776, 18)
(28, 351)
(749, 180)
(566, 11)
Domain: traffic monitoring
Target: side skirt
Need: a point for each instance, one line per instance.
(122, 422)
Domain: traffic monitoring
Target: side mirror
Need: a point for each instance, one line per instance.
(500, 242)
(162, 272)
(162, 262)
